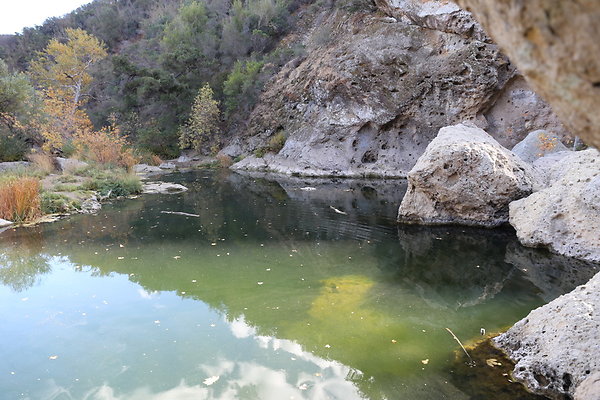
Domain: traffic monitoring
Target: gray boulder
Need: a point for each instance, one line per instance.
(538, 144)
(69, 164)
(163, 187)
(167, 165)
(564, 217)
(556, 346)
(146, 169)
(10, 165)
(464, 177)
(91, 206)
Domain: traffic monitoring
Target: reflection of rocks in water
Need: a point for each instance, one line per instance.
(449, 266)
(488, 377)
(363, 203)
(21, 263)
(553, 274)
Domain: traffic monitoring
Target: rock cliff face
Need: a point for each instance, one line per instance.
(374, 90)
(555, 44)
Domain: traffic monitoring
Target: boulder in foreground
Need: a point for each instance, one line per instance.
(464, 177)
(556, 346)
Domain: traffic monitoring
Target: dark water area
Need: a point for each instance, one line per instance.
(269, 293)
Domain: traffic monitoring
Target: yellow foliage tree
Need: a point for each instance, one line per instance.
(63, 70)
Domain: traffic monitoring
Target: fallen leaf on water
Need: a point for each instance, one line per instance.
(394, 341)
(492, 362)
(211, 380)
(52, 357)
(177, 257)
(425, 361)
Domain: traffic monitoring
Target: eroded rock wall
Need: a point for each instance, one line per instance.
(555, 44)
(374, 89)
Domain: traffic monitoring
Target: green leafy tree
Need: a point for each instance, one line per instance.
(203, 124)
(242, 85)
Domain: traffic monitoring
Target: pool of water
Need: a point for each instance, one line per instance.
(276, 289)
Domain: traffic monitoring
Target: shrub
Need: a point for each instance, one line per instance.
(111, 184)
(56, 203)
(106, 146)
(11, 148)
(20, 199)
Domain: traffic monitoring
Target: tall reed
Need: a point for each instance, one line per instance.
(20, 199)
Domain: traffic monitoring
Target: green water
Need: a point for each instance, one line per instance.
(269, 289)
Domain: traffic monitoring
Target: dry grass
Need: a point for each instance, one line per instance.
(155, 160)
(20, 199)
(224, 161)
(42, 162)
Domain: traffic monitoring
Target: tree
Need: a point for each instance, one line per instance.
(65, 67)
(63, 71)
(203, 124)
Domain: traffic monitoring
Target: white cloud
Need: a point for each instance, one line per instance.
(19, 14)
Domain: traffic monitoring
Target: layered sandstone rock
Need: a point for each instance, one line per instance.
(465, 177)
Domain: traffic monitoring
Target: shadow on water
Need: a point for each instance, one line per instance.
(273, 257)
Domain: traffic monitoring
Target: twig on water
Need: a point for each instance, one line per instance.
(461, 345)
(180, 213)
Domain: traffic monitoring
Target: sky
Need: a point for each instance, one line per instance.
(18, 14)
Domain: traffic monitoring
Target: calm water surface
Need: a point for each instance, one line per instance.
(268, 294)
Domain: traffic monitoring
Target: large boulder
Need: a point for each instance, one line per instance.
(556, 346)
(555, 44)
(464, 177)
(564, 217)
(538, 144)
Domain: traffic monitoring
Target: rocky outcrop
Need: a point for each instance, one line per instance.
(464, 177)
(91, 206)
(11, 165)
(555, 44)
(538, 144)
(556, 346)
(69, 164)
(564, 217)
(372, 93)
(163, 188)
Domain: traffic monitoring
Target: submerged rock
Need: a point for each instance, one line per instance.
(564, 217)
(538, 144)
(163, 187)
(556, 346)
(464, 177)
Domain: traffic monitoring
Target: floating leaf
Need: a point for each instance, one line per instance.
(425, 361)
(492, 362)
(52, 357)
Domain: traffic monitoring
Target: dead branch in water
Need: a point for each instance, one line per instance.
(461, 345)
